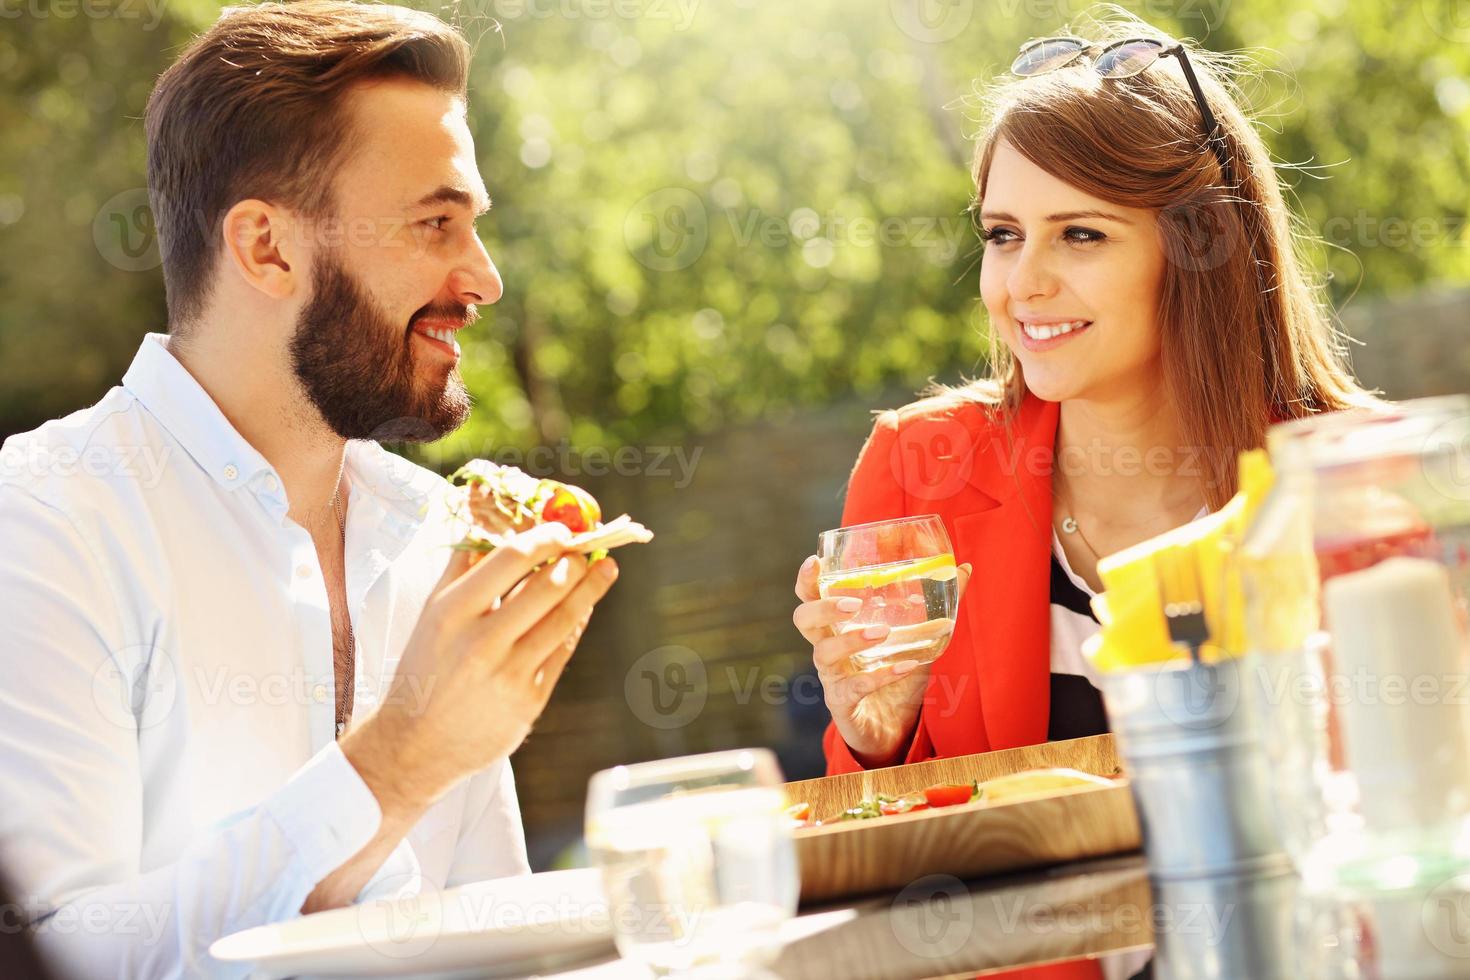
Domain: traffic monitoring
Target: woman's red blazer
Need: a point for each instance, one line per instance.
(991, 688)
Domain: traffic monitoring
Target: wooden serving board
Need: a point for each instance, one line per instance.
(887, 853)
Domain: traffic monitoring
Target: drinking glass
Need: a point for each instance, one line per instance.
(904, 572)
(697, 860)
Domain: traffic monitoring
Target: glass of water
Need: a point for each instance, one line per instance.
(697, 861)
(904, 571)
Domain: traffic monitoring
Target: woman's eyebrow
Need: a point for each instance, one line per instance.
(1059, 216)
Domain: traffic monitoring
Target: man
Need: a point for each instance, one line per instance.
(243, 676)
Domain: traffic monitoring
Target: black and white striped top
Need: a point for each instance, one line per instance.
(1076, 702)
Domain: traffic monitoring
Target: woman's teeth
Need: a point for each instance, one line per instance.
(1053, 330)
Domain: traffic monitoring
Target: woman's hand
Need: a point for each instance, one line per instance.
(875, 711)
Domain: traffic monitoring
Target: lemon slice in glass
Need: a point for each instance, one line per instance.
(940, 568)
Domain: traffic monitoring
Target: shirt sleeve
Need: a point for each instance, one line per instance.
(71, 783)
(875, 492)
(492, 843)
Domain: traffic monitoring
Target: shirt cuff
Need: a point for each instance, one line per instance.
(326, 811)
(399, 877)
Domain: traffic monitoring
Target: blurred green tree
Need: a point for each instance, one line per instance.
(711, 211)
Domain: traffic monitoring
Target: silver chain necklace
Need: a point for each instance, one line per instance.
(1071, 527)
(344, 690)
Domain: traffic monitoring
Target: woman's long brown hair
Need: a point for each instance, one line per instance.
(1247, 333)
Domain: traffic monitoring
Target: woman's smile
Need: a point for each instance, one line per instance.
(1043, 334)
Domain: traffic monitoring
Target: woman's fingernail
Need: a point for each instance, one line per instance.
(806, 565)
(875, 632)
(906, 667)
(850, 604)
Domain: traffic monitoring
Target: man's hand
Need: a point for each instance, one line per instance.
(487, 651)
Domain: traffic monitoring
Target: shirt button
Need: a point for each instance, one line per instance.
(319, 694)
(272, 484)
(303, 571)
(230, 471)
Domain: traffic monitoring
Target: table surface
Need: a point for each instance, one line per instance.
(940, 926)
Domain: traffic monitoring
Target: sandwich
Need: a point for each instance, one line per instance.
(495, 501)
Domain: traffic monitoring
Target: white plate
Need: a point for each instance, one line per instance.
(510, 925)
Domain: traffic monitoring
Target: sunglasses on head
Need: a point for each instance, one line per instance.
(1123, 59)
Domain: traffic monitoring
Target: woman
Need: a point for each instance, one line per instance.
(1150, 317)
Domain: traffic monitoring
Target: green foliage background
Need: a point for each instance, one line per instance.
(677, 184)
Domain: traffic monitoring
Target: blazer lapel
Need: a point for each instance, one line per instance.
(1007, 540)
(1009, 617)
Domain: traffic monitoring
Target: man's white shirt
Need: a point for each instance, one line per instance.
(168, 767)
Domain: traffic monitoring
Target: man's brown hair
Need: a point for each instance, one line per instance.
(253, 108)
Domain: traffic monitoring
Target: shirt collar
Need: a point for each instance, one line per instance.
(403, 491)
(170, 393)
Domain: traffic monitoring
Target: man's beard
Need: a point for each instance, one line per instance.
(359, 368)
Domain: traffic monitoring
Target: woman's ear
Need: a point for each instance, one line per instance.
(260, 248)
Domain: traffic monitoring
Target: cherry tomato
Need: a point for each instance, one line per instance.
(953, 795)
(573, 507)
